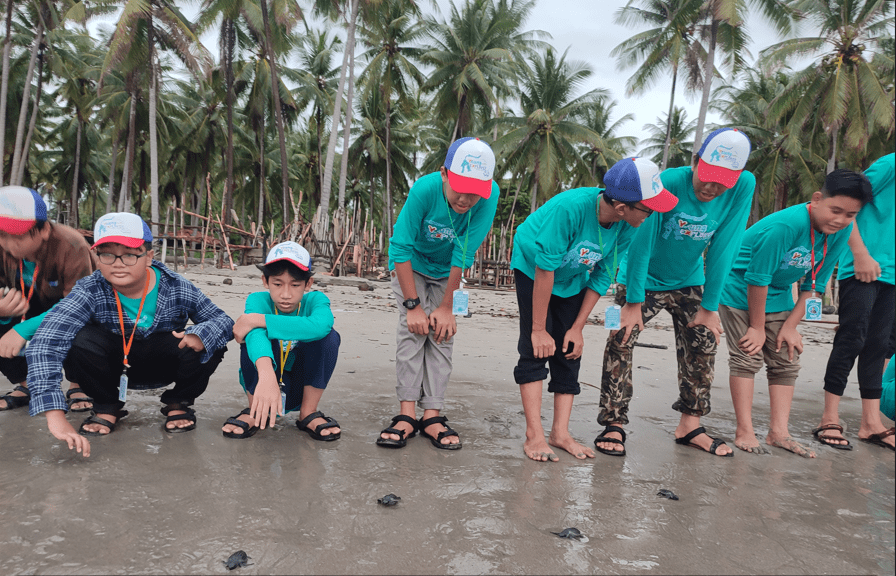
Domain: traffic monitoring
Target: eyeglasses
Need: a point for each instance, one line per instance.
(109, 258)
(644, 210)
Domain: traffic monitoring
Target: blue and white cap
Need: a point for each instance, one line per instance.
(471, 166)
(723, 156)
(20, 209)
(638, 180)
(121, 228)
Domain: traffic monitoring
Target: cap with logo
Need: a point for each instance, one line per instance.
(121, 228)
(638, 180)
(291, 252)
(20, 209)
(471, 166)
(723, 156)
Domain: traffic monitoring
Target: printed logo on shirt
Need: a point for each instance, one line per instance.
(435, 232)
(799, 257)
(683, 225)
(584, 254)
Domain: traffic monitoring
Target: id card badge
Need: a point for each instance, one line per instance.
(813, 309)
(283, 400)
(461, 304)
(613, 319)
(123, 388)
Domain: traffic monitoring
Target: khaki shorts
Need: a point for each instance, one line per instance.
(779, 368)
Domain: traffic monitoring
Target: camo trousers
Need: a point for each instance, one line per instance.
(695, 347)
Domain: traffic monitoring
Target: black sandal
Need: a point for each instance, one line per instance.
(716, 442)
(71, 401)
(437, 441)
(13, 402)
(603, 438)
(189, 414)
(248, 431)
(94, 419)
(391, 429)
(330, 423)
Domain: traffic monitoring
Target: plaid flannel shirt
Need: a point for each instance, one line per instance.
(92, 301)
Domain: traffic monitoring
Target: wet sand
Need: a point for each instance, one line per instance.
(147, 502)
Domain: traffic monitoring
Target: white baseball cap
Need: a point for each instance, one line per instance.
(471, 166)
(291, 252)
(723, 156)
(20, 209)
(122, 228)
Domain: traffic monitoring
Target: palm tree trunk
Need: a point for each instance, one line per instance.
(23, 161)
(337, 114)
(389, 164)
(347, 129)
(153, 140)
(835, 149)
(128, 176)
(707, 84)
(261, 175)
(229, 44)
(669, 117)
(278, 112)
(533, 201)
(460, 113)
(23, 110)
(73, 219)
(112, 162)
(4, 86)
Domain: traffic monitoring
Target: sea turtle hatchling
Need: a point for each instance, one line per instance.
(667, 494)
(236, 560)
(571, 533)
(389, 500)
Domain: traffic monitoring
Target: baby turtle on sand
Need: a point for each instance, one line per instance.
(571, 533)
(236, 560)
(667, 494)
(389, 500)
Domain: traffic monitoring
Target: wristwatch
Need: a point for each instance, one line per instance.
(411, 303)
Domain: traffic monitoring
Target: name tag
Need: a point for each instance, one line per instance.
(123, 388)
(813, 309)
(461, 303)
(613, 318)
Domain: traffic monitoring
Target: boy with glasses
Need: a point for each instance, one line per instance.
(123, 328)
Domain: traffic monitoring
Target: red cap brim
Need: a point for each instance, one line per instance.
(123, 240)
(724, 176)
(16, 226)
(466, 185)
(291, 261)
(662, 202)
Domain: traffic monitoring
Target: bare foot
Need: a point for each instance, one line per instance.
(537, 449)
(791, 445)
(236, 429)
(326, 431)
(99, 428)
(434, 429)
(567, 443)
(751, 445)
(611, 445)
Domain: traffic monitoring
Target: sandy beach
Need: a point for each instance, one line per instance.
(147, 502)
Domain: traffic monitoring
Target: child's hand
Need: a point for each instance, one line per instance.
(245, 324)
(418, 321)
(709, 320)
(574, 336)
(752, 341)
(542, 344)
(62, 430)
(629, 317)
(266, 402)
(444, 323)
(866, 268)
(791, 338)
(193, 341)
(11, 344)
(13, 304)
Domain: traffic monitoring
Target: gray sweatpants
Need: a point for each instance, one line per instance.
(422, 366)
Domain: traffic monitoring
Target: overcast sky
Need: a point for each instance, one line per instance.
(586, 28)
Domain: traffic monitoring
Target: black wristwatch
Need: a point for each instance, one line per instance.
(411, 303)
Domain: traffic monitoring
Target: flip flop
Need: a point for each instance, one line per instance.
(716, 442)
(94, 419)
(878, 439)
(13, 402)
(826, 440)
(189, 414)
(437, 441)
(603, 438)
(330, 423)
(391, 429)
(248, 431)
(71, 401)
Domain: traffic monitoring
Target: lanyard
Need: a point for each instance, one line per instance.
(126, 344)
(466, 236)
(824, 251)
(33, 282)
(285, 355)
(610, 273)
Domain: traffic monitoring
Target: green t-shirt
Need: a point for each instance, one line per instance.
(431, 235)
(877, 222)
(565, 237)
(776, 252)
(131, 306)
(27, 328)
(669, 253)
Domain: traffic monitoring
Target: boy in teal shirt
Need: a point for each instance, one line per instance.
(798, 244)
(288, 348)
(668, 272)
(564, 259)
(866, 309)
(444, 220)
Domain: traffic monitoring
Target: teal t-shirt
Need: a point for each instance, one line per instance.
(431, 235)
(670, 248)
(877, 222)
(776, 252)
(131, 306)
(887, 398)
(26, 328)
(565, 237)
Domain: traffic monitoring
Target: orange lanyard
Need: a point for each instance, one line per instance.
(285, 355)
(33, 282)
(127, 343)
(824, 251)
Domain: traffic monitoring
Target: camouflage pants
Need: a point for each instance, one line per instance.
(695, 347)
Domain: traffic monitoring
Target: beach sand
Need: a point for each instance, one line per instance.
(151, 502)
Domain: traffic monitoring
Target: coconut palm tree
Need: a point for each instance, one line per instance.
(597, 159)
(676, 132)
